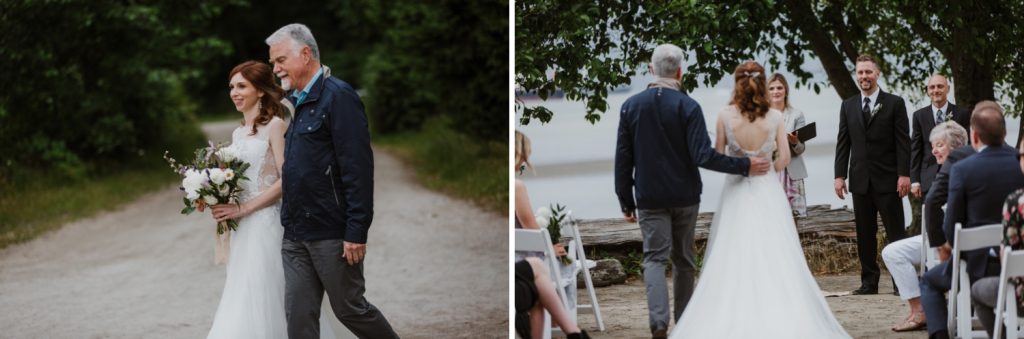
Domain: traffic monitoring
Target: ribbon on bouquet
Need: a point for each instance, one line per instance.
(222, 247)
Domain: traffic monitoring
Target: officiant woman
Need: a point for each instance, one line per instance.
(793, 177)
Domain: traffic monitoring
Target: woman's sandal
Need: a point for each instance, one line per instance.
(910, 325)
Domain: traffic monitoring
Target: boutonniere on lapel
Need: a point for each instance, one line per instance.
(876, 109)
(949, 116)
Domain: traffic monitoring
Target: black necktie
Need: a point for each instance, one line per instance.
(867, 109)
(939, 118)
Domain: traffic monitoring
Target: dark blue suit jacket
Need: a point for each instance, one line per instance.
(978, 185)
(662, 140)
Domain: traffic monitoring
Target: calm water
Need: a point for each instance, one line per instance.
(574, 160)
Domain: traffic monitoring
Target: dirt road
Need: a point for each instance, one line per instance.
(437, 268)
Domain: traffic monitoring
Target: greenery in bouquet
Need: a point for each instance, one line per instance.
(213, 177)
(554, 218)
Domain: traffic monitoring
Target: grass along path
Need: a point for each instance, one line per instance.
(30, 211)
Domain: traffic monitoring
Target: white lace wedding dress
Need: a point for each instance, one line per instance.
(252, 303)
(754, 281)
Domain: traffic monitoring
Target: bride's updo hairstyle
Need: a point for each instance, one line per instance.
(751, 92)
(261, 76)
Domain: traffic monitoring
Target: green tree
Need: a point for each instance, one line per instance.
(593, 46)
(447, 57)
(89, 82)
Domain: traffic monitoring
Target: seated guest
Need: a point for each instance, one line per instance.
(524, 211)
(984, 293)
(534, 294)
(901, 256)
(977, 187)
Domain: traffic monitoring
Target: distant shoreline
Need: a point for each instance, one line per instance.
(591, 167)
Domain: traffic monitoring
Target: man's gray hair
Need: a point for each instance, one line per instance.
(300, 36)
(666, 60)
(949, 132)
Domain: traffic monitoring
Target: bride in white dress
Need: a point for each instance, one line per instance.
(755, 282)
(252, 303)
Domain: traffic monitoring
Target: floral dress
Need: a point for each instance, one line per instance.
(1013, 232)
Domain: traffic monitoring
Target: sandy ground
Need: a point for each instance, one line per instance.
(437, 268)
(624, 309)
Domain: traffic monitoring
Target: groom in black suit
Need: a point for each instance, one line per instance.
(922, 163)
(873, 151)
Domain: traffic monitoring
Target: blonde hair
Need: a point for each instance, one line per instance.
(522, 150)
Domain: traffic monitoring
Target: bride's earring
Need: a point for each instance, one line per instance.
(259, 105)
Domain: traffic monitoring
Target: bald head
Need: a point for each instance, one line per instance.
(938, 89)
(987, 123)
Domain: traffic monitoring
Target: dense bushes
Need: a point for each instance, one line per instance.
(94, 83)
(445, 58)
(90, 84)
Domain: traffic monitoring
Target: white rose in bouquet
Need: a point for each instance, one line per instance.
(544, 213)
(210, 200)
(227, 154)
(217, 176)
(193, 181)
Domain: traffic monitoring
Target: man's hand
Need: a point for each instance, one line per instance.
(903, 186)
(630, 216)
(758, 166)
(354, 253)
(945, 251)
(841, 188)
(793, 140)
(915, 190)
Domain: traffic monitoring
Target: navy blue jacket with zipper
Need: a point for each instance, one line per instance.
(662, 141)
(327, 177)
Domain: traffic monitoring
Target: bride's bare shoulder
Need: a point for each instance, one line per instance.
(728, 112)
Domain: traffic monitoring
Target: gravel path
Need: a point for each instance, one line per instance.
(437, 268)
(624, 308)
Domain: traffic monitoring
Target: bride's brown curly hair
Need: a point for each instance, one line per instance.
(751, 92)
(261, 76)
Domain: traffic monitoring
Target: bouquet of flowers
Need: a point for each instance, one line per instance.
(554, 219)
(214, 177)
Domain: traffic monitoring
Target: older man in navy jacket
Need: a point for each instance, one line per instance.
(662, 140)
(327, 184)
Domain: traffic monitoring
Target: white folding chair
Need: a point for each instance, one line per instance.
(1006, 304)
(929, 256)
(967, 239)
(580, 259)
(528, 240)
